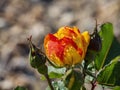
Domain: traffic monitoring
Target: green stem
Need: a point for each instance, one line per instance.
(49, 82)
(90, 74)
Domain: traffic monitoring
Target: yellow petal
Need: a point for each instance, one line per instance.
(86, 36)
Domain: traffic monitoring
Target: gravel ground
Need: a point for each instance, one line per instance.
(21, 18)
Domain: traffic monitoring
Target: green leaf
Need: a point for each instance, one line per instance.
(106, 33)
(117, 88)
(110, 74)
(114, 51)
(56, 72)
(20, 88)
(55, 75)
(74, 81)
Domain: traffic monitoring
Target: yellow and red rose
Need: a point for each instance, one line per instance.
(66, 47)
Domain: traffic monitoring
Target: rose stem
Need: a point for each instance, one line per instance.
(49, 81)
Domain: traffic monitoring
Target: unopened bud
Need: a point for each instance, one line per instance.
(95, 43)
(36, 58)
(43, 69)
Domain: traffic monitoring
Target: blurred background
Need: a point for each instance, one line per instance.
(21, 18)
